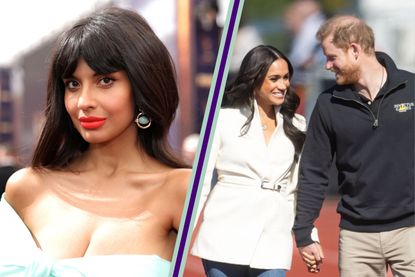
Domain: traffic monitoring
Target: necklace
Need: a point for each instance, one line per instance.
(264, 126)
(381, 80)
(369, 95)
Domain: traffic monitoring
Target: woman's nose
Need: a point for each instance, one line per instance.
(86, 99)
(283, 84)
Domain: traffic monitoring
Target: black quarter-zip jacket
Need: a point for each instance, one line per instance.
(374, 148)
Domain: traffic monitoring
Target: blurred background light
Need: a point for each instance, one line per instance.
(24, 24)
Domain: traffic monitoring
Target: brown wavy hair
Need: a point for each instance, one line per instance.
(240, 92)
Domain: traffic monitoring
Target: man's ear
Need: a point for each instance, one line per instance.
(355, 50)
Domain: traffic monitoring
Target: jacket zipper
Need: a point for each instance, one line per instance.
(375, 123)
(375, 118)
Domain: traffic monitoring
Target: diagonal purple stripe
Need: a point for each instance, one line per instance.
(206, 136)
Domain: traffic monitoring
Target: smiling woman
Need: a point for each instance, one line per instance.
(246, 224)
(104, 194)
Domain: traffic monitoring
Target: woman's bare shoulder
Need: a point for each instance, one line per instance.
(178, 180)
(176, 184)
(22, 186)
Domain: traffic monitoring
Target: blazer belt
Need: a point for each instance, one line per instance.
(278, 185)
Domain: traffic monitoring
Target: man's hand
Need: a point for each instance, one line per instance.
(312, 256)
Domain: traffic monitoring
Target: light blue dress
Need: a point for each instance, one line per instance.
(20, 256)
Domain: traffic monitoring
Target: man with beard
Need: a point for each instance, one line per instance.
(366, 121)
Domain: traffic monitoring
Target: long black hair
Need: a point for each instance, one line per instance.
(241, 91)
(111, 40)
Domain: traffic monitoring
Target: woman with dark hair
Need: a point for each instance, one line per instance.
(104, 194)
(247, 221)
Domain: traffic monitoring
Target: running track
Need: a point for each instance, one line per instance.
(327, 225)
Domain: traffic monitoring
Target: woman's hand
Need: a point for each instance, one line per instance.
(312, 256)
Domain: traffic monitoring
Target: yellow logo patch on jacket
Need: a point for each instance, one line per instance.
(403, 107)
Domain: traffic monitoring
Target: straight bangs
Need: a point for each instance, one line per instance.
(108, 41)
(90, 43)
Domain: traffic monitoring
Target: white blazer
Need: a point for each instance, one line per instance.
(242, 222)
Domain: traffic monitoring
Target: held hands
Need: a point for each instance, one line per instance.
(312, 256)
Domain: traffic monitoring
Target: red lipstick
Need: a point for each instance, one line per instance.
(92, 122)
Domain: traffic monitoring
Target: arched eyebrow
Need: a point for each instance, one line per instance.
(279, 76)
(73, 76)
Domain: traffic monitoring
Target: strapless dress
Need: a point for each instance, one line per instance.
(20, 256)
